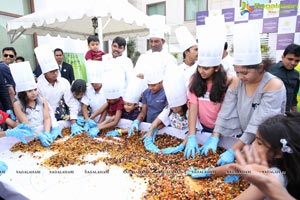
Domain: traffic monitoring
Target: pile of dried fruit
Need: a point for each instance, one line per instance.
(165, 174)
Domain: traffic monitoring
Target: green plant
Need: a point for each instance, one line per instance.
(131, 53)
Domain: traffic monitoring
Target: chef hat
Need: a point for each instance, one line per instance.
(184, 38)
(23, 76)
(157, 26)
(154, 66)
(211, 40)
(175, 89)
(246, 43)
(134, 90)
(94, 71)
(113, 80)
(46, 58)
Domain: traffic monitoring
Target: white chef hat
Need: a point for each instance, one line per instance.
(246, 44)
(23, 76)
(94, 70)
(46, 58)
(174, 86)
(113, 80)
(211, 40)
(134, 89)
(184, 38)
(155, 66)
(157, 26)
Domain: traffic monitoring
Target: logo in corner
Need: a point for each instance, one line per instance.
(246, 8)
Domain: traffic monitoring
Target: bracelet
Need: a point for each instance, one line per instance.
(119, 131)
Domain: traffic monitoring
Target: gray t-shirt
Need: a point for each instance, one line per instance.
(242, 114)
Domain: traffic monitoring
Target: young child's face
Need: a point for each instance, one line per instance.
(32, 94)
(178, 110)
(128, 107)
(78, 95)
(154, 88)
(262, 147)
(94, 45)
(207, 72)
(112, 101)
(97, 86)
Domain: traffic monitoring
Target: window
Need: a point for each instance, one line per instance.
(156, 9)
(192, 7)
(20, 7)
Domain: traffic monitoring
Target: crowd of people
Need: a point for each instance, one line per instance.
(255, 105)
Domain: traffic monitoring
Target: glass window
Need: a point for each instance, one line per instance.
(192, 7)
(19, 7)
(23, 45)
(156, 9)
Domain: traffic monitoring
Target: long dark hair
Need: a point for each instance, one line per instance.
(22, 96)
(284, 127)
(198, 85)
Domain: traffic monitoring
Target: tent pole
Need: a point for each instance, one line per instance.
(13, 37)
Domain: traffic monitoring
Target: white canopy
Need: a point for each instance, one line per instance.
(116, 17)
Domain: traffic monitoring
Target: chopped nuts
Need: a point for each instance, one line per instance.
(165, 174)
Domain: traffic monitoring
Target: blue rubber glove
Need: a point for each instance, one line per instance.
(80, 121)
(3, 167)
(24, 126)
(89, 124)
(155, 131)
(173, 150)
(55, 132)
(11, 115)
(149, 145)
(200, 173)
(226, 158)
(191, 147)
(114, 133)
(93, 132)
(211, 143)
(45, 139)
(134, 127)
(19, 133)
(76, 129)
(231, 179)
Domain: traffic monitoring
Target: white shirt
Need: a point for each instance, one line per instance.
(93, 99)
(188, 72)
(53, 93)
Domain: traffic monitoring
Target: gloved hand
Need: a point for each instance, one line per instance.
(211, 143)
(11, 115)
(173, 150)
(3, 167)
(80, 121)
(55, 132)
(45, 139)
(231, 179)
(76, 129)
(155, 131)
(93, 132)
(114, 133)
(134, 127)
(226, 157)
(191, 147)
(200, 173)
(149, 145)
(24, 126)
(19, 133)
(89, 124)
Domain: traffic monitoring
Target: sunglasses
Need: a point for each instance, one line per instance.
(8, 55)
